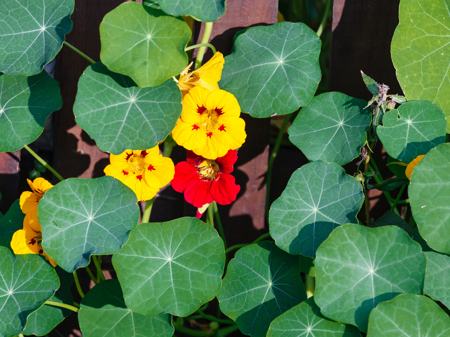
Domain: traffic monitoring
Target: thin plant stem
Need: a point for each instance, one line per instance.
(325, 17)
(169, 144)
(78, 284)
(240, 245)
(98, 266)
(147, 211)
(62, 305)
(43, 162)
(207, 31)
(310, 282)
(210, 215)
(218, 222)
(212, 318)
(91, 275)
(199, 45)
(379, 179)
(79, 52)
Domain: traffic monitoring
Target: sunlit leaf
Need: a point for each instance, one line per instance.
(203, 10)
(437, 277)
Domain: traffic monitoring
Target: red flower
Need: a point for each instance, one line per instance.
(203, 181)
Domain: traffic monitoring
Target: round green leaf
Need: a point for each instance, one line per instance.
(412, 129)
(437, 277)
(274, 69)
(305, 320)
(429, 195)
(331, 128)
(318, 197)
(176, 267)
(261, 283)
(203, 10)
(32, 33)
(420, 51)
(120, 116)
(103, 314)
(26, 282)
(358, 267)
(149, 49)
(409, 315)
(25, 104)
(10, 222)
(84, 217)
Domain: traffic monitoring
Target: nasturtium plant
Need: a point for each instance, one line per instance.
(32, 34)
(99, 212)
(261, 283)
(119, 116)
(420, 51)
(437, 277)
(176, 266)
(203, 10)
(332, 127)
(273, 70)
(25, 104)
(145, 47)
(318, 197)
(358, 267)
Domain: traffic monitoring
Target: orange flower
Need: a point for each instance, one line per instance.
(410, 168)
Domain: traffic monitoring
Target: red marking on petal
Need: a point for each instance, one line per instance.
(209, 134)
(129, 155)
(151, 167)
(195, 127)
(144, 153)
(125, 172)
(218, 111)
(222, 128)
(201, 109)
(41, 251)
(32, 241)
(139, 177)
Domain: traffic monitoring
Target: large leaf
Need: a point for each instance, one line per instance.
(412, 129)
(410, 316)
(84, 217)
(176, 266)
(32, 33)
(420, 51)
(9, 223)
(437, 277)
(25, 104)
(261, 283)
(149, 49)
(429, 195)
(103, 314)
(358, 267)
(203, 10)
(119, 115)
(26, 282)
(274, 69)
(305, 320)
(318, 197)
(331, 128)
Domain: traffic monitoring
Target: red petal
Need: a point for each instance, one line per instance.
(185, 175)
(192, 158)
(225, 190)
(227, 162)
(198, 193)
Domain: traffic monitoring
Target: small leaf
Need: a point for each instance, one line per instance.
(149, 49)
(331, 128)
(358, 267)
(26, 282)
(9, 223)
(103, 314)
(32, 33)
(408, 315)
(261, 283)
(412, 129)
(429, 195)
(119, 115)
(370, 83)
(318, 197)
(437, 277)
(203, 10)
(274, 69)
(25, 104)
(176, 267)
(84, 217)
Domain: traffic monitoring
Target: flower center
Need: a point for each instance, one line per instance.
(208, 169)
(209, 120)
(136, 163)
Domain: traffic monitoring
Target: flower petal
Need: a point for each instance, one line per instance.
(225, 190)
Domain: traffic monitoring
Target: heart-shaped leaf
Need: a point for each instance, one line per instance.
(305, 320)
(103, 314)
(274, 69)
(32, 33)
(429, 195)
(9, 223)
(408, 315)
(331, 128)
(412, 129)
(25, 104)
(437, 277)
(358, 267)
(26, 282)
(149, 49)
(318, 197)
(176, 266)
(119, 115)
(261, 283)
(420, 51)
(203, 10)
(84, 217)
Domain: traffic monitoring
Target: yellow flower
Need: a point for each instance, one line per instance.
(410, 168)
(207, 76)
(145, 172)
(210, 125)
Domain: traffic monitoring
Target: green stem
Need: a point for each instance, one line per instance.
(78, 284)
(79, 52)
(210, 215)
(379, 179)
(325, 17)
(214, 318)
(240, 245)
(62, 305)
(98, 266)
(199, 45)
(207, 31)
(226, 331)
(310, 282)
(169, 144)
(91, 275)
(147, 211)
(218, 222)
(43, 162)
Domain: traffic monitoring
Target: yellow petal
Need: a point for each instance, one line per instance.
(31, 221)
(28, 201)
(19, 244)
(40, 185)
(410, 168)
(224, 100)
(211, 72)
(161, 172)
